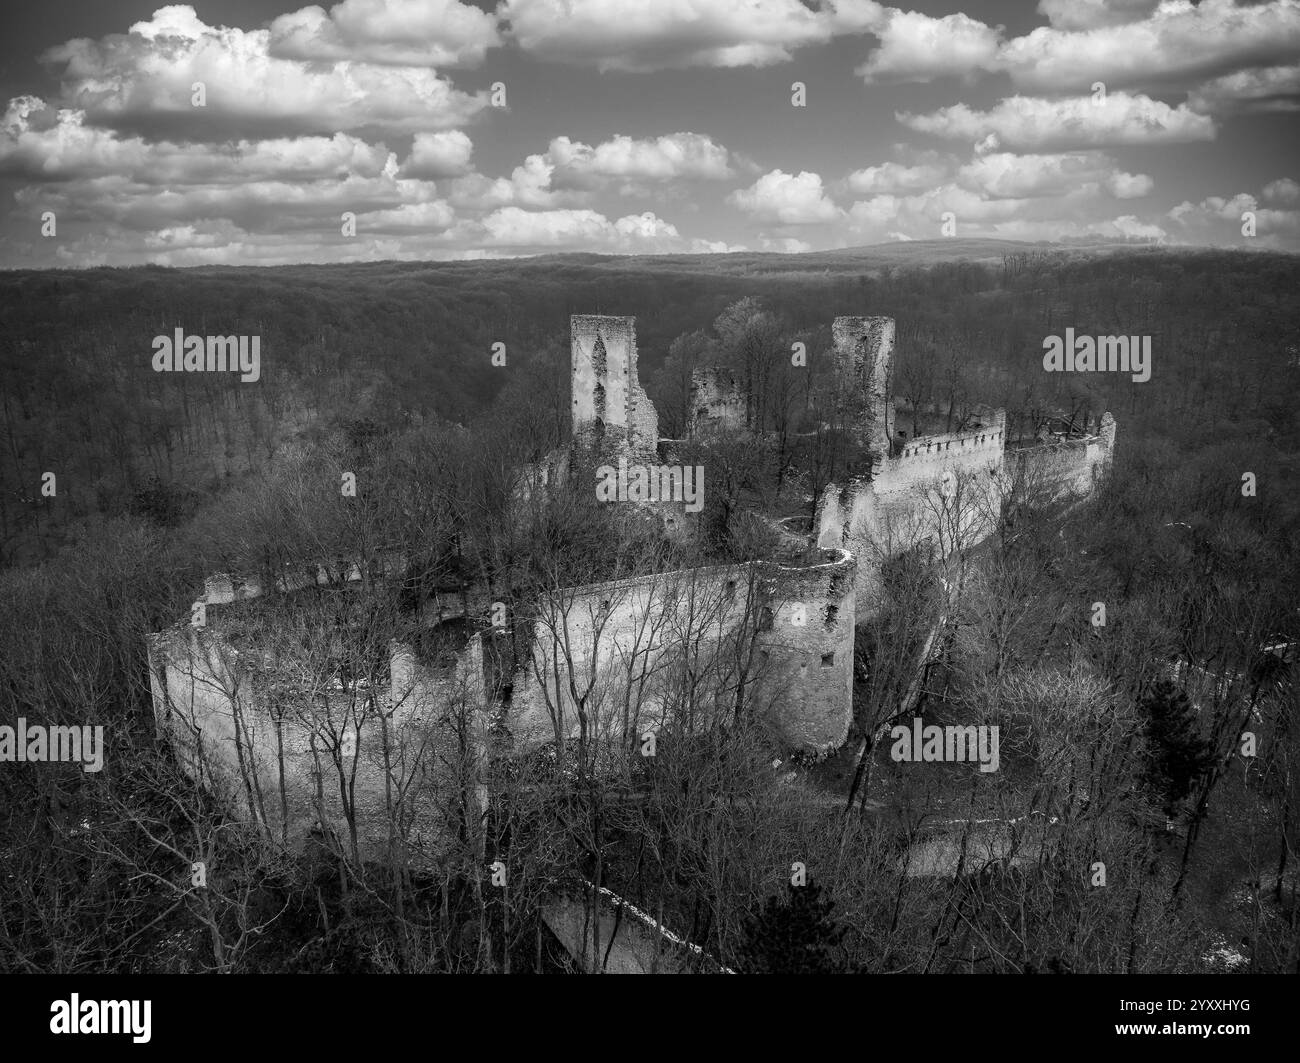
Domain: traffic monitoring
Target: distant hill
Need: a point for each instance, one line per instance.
(868, 258)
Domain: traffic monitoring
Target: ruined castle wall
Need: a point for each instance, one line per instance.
(644, 422)
(608, 402)
(864, 348)
(941, 493)
(1071, 467)
(806, 657)
(225, 587)
(283, 769)
(625, 649)
(606, 645)
(717, 401)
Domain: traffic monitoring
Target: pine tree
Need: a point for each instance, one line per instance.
(1177, 755)
(795, 934)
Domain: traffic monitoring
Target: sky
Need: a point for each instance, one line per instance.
(260, 132)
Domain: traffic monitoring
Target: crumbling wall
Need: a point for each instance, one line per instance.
(942, 493)
(610, 408)
(279, 760)
(805, 674)
(604, 645)
(1069, 467)
(864, 348)
(624, 648)
(718, 401)
(226, 587)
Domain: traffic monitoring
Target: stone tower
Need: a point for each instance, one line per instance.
(609, 407)
(864, 349)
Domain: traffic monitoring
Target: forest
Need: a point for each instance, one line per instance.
(1121, 743)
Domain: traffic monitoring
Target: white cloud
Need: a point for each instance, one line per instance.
(633, 35)
(569, 172)
(916, 47)
(669, 157)
(433, 216)
(1177, 42)
(1129, 185)
(144, 81)
(1004, 175)
(1089, 14)
(445, 154)
(395, 32)
(890, 177)
(1025, 122)
(1284, 191)
(588, 230)
(784, 245)
(38, 142)
(786, 199)
(1219, 220)
(1274, 88)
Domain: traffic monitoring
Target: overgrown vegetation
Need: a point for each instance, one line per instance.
(1121, 744)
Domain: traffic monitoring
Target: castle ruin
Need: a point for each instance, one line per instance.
(606, 659)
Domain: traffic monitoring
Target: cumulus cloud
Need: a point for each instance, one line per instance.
(1008, 176)
(1274, 88)
(1043, 196)
(786, 199)
(1220, 219)
(1026, 122)
(1129, 185)
(38, 142)
(395, 32)
(142, 81)
(529, 231)
(1076, 216)
(1178, 42)
(670, 157)
(410, 232)
(1284, 191)
(891, 177)
(916, 47)
(1089, 14)
(445, 154)
(635, 36)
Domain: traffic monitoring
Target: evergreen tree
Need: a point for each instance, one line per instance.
(1177, 756)
(795, 934)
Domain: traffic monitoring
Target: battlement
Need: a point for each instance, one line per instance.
(1065, 467)
(952, 445)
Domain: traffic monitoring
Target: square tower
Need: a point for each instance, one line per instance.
(864, 351)
(608, 405)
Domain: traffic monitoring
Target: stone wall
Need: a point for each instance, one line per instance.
(718, 401)
(1069, 467)
(864, 350)
(806, 657)
(627, 649)
(609, 406)
(277, 758)
(942, 493)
